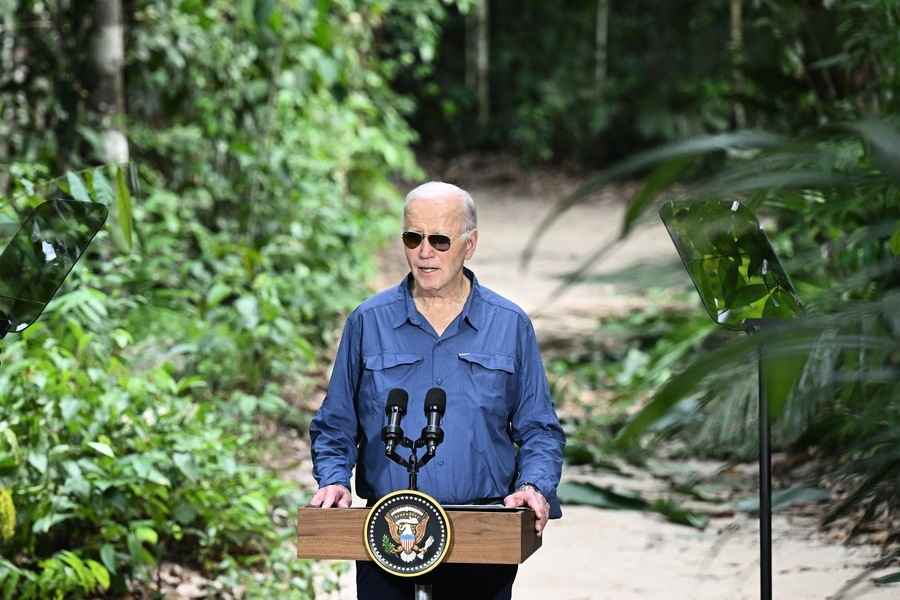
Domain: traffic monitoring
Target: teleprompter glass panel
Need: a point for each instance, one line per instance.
(731, 262)
(39, 257)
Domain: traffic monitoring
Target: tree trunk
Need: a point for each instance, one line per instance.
(478, 58)
(601, 42)
(109, 95)
(737, 49)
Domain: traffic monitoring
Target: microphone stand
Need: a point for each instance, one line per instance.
(412, 465)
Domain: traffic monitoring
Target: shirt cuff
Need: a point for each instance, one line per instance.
(343, 482)
(549, 495)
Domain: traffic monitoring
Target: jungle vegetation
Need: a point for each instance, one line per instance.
(262, 138)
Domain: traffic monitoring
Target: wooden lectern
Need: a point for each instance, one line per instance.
(481, 534)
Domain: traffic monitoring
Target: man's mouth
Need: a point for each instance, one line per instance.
(428, 269)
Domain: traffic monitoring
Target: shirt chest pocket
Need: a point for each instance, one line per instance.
(384, 372)
(492, 378)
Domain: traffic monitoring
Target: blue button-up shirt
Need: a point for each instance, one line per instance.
(500, 429)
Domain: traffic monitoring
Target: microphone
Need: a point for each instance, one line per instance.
(395, 410)
(435, 404)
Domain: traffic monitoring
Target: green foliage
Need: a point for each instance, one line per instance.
(832, 201)
(7, 515)
(265, 136)
(672, 71)
(120, 455)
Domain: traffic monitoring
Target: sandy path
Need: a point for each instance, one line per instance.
(598, 554)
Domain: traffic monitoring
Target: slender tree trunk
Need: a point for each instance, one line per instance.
(601, 42)
(109, 95)
(472, 48)
(737, 50)
(7, 66)
(478, 58)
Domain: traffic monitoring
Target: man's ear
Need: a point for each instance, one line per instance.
(471, 243)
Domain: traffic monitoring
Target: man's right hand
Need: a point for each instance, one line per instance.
(332, 495)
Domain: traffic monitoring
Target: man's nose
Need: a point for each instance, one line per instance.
(425, 249)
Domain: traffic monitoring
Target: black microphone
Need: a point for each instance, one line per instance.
(435, 404)
(395, 410)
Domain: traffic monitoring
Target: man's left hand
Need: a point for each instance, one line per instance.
(533, 499)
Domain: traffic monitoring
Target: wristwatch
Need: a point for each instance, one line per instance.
(531, 485)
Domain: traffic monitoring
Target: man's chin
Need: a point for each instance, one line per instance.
(427, 281)
(427, 286)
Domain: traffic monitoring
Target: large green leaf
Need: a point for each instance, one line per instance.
(692, 147)
(588, 494)
(662, 177)
(782, 499)
(76, 187)
(780, 372)
(682, 386)
(884, 140)
(790, 343)
(887, 579)
(124, 213)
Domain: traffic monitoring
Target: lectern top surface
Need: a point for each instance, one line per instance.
(484, 507)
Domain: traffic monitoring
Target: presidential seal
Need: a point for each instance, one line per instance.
(407, 533)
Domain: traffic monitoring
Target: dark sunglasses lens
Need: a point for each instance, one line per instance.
(439, 242)
(411, 239)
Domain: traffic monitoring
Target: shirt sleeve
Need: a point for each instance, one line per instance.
(333, 430)
(535, 426)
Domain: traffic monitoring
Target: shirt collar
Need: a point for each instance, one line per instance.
(472, 310)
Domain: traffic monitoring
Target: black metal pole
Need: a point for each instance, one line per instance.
(765, 479)
(413, 468)
(765, 488)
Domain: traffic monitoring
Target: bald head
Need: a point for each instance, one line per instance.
(438, 190)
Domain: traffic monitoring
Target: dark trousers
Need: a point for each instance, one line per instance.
(449, 582)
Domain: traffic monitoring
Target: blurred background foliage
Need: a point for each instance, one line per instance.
(567, 85)
(136, 416)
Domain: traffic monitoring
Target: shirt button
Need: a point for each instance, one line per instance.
(439, 380)
(440, 462)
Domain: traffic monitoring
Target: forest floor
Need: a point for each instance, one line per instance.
(612, 554)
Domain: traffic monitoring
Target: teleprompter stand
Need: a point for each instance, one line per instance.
(765, 464)
(743, 287)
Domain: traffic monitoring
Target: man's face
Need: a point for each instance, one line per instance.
(435, 272)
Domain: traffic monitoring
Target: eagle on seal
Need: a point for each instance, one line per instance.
(408, 534)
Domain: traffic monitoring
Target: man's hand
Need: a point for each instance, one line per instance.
(530, 497)
(332, 495)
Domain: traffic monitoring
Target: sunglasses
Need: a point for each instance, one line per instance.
(438, 241)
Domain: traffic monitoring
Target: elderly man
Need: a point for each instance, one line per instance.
(440, 328)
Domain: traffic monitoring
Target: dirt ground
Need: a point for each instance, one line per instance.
(600, 554)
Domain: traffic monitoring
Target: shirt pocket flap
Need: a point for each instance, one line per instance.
(379, 362)
(496, 362)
